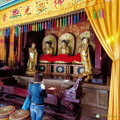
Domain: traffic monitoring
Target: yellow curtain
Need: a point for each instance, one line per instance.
(105, 20)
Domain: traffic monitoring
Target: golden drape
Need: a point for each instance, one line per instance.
(107, 29)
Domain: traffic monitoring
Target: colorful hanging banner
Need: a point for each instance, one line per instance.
(2, 45)
(33, 10)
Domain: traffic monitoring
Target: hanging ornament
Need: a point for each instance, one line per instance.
(60, 22)
(53, 23)
(23, 28)
(68, 20)
(48, 25)
(102, 13)
(45, 25)
(78, 18)
(40, 26)
(74, 19)
(71, 19)
(26, 28)
(94, 14)
(99, 13)
(63, 22)
(33, 27)
(29, 27)
(85, 16)
(57, 22)
(36, 27)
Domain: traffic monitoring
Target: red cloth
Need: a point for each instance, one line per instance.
(61, 57)
(47, 57)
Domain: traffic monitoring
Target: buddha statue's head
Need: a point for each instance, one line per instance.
(33, 45)
(48, 44)
(64, 43)
(84, 40)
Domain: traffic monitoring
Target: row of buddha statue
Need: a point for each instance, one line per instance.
(64, 54)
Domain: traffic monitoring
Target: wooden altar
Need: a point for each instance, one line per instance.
(95, 100)
(59, 102)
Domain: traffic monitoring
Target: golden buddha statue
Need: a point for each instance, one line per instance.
(32, 61)
(85, 57)
(63, 54)
(48, 49)
(65, 49)
(48, 52)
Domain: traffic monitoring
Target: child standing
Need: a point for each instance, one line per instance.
(38, 93)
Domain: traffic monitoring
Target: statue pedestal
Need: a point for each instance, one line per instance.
(30, 72)
(45, 68)
(61, 69)
(77, 69)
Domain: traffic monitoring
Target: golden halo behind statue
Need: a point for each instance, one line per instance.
(52, 39)
(70, 40)
(85, 34)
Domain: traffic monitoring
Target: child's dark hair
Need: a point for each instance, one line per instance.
(38, 77)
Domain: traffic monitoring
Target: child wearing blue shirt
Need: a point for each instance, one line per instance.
(38, 93)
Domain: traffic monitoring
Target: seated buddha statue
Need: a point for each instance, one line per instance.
(64, 53)
(64, 49)
(48, 52)
(48, 49)
(85, 57)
